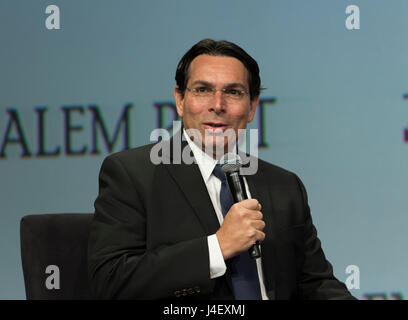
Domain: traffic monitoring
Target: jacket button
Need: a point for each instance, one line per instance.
(177, 293)
(197, 289)
(190, 290)
(184, 292)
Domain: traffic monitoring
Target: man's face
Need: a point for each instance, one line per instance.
(216, 114)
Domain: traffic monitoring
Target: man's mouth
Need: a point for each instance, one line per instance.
(215, 126)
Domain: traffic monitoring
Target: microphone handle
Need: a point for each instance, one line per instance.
(238, 191)
(255, 251)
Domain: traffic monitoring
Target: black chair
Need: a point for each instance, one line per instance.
(59, 240)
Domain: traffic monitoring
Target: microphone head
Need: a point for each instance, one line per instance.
(230, 162)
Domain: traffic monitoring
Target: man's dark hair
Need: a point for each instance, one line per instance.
(219, 48)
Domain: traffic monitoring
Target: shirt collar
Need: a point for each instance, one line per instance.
(204, 161)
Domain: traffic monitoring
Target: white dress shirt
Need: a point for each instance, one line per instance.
(206, 165)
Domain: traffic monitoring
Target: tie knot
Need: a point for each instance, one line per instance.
(219, 173)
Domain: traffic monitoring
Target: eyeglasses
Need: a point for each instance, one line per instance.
(229, 94)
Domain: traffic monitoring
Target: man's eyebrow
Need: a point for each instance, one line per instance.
(203, 82)
(228, 85)
(235, 85)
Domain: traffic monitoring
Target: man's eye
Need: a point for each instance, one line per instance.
(203, 89)
(233, 92)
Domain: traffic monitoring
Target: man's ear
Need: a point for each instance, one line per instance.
(252, 108)
(179, 98)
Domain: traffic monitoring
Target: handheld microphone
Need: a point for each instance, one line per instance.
(230, 164)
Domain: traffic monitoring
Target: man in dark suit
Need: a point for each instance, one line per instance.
(165, 229)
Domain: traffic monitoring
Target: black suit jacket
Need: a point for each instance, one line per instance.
(148, 238)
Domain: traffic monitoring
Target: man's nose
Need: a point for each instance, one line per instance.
(218, 102)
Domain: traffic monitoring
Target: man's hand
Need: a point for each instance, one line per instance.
(241, 228)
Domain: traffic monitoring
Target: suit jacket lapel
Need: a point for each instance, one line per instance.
(188, 177)
(258, 187)
(191, 183)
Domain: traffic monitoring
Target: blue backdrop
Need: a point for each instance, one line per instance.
(336, 114)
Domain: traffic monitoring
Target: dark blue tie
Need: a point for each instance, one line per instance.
(244, 273)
